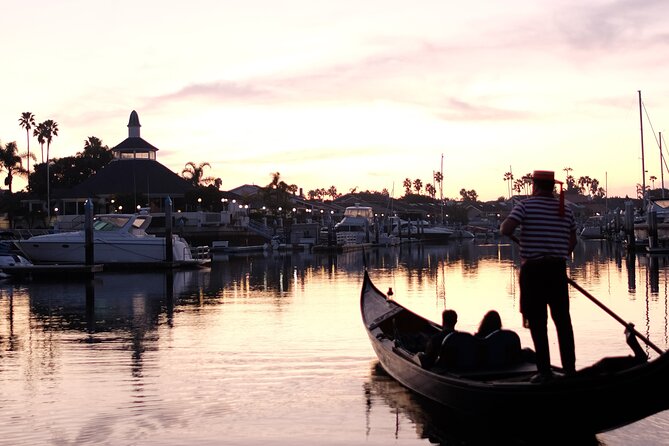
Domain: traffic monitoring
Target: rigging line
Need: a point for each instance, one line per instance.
(651, 124)
(657, 141)
(664, 159)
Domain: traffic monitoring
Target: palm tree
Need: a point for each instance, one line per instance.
(277, 192)
(568, 170)
(407, 185)
(50, 130)
(430, 190)
(27, 121)
(10, 160)
(508, 177)
(40, 133)
(584, 184)
(195, 173)
(439, 178)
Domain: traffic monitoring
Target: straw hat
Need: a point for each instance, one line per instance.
(549, 176)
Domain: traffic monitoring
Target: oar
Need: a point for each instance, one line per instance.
(628, 325)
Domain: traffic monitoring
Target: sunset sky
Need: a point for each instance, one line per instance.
(349, 93)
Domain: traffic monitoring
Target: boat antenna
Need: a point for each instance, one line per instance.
(643, 163)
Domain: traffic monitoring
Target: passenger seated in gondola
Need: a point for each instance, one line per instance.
(451, 349)
(448, 320)
(501, 348)
(490, 323)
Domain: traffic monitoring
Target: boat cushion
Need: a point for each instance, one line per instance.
(460, 350)
(501, 348)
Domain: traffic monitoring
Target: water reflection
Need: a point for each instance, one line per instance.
(120, 311)
(434, 423)
(211, 352)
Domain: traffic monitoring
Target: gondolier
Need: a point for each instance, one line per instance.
(547, 238)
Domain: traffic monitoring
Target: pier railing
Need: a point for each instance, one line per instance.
(260, 229)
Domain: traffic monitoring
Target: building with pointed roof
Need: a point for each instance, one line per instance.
(133, 172)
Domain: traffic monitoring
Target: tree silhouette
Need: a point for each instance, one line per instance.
(50, 130)
(439, 178)
(40, 133)
(194, 173)
(430, 190)
(508, 177)
(407, 186)
(468, 195)
(11, 161)
(418, 185)
(27, 121)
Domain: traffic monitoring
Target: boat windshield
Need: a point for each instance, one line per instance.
(356, 211)
(139, 222)
(109, 223)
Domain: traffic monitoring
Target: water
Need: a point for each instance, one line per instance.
(271, 350)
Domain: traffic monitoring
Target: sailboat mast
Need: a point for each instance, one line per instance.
(441, 183)
(661, 165)
(441, 188)
(643, 163)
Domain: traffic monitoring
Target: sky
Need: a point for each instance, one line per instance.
(356, 94)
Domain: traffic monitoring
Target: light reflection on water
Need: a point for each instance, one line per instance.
(271, 350)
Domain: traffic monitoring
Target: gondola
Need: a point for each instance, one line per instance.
(609, 394)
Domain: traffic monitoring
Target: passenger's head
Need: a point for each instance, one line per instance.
(490, 322)
(448, 319)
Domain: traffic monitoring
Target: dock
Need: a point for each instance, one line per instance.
(82, 271)
(61, 271)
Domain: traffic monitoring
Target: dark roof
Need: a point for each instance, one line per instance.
(134, 119)
(134, 143)
(121, 177)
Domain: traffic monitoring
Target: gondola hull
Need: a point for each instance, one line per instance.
(590, 401)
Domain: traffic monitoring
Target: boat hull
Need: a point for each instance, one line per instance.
(104, 251)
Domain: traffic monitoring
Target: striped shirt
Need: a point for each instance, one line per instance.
(543, 233)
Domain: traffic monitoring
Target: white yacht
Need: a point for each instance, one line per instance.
(117, 238)
(356, 227)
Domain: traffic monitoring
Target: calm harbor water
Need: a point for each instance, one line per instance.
(270, 349)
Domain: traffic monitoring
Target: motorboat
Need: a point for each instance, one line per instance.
(593, 228)
(356, 227)
(10, 257)
(421, 230)
(117, 238)
(11, 260)
(460, 233)
(430, 233)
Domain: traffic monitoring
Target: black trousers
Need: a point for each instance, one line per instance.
(543, 285)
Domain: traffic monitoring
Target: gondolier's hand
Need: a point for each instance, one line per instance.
(632, 341)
